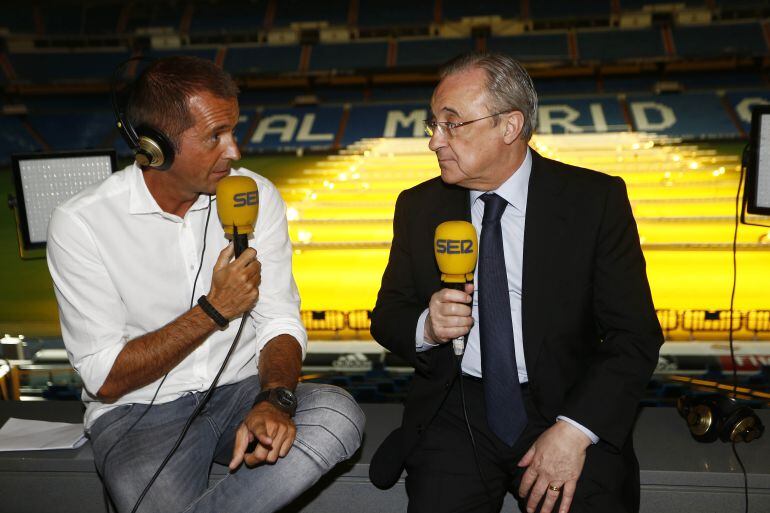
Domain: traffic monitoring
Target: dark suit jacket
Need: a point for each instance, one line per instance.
(591, 336)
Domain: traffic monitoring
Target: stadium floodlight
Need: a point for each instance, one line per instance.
(757, 192)
(43, 181)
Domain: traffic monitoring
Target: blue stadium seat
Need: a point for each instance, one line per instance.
(457, 9)
(532, 47)
(101, 18)
(388, 13)
(66, 66)
(333, 11)
(339, 94)
(711, 80)
(565, 86)
(349, 56)
(223, 18)
(719, 40)
(57, 103)
(402, 93)
(14, 138)
(209, 53)
(18, 18)
(74, 131)
(626, 84)
(242, 60)
(615, 44)
(692, 111)
(63, 19)
(561, 9)
(259, 97)
(431, 52)
(638, 5)
(154, 14)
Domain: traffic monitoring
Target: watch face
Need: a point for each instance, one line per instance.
(285, 398)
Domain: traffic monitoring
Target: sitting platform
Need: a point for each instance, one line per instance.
(678, 475)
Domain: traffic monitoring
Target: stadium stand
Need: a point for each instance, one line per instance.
(349, 56)
(610, 45)
(533, 47)
(326, 76)
(209, 18)
(58, 66)
(263, 59)
(739, 39)
(333, 12)
(394, 13)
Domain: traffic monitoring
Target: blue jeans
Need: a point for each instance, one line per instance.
(329, 430)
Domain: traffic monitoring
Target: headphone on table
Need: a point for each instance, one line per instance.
(151, 147)
(715, 416)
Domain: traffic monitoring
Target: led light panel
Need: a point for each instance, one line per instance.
(43, 181)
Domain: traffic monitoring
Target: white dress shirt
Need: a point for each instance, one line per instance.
(515, 191)
(122, 267)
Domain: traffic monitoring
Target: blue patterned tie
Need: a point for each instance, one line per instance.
(506, 415)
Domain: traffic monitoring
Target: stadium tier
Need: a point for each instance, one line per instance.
(341, 209)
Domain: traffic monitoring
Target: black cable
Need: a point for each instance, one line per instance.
(730, 330)
(745, 479)
(194, 414)
(470, 434)
(208, 393)
(738, 209)
(157, 390)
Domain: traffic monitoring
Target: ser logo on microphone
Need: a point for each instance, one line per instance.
(243, 199)
(454, 246)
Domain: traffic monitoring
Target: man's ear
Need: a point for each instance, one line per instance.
(514, 125)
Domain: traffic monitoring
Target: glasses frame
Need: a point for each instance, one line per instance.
(446, 127)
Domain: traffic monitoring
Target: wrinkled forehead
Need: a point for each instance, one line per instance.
(460, 94)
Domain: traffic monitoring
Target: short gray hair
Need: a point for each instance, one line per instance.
(508, 84)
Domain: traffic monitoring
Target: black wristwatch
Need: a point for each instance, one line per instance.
(280, 397)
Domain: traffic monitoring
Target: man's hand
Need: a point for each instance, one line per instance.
(449, 314)
(235, 285)
(272, 429)
(554, 460)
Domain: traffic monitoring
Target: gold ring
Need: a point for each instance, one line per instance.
(554, 488)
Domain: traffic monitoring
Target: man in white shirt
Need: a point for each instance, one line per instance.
(150, 298)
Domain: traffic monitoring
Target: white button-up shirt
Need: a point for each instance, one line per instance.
(122, 267)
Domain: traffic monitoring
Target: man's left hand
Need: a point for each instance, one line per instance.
(272, 429)
(554, 460)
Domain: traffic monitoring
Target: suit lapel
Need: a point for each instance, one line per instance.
(546, 225)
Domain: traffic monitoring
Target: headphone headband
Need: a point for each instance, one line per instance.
(150, 146)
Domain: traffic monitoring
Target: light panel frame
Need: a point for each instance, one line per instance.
(29, 207)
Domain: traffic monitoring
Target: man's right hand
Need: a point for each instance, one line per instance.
(449, 314)
(235, 285)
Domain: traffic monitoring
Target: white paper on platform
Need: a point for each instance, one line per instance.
(36, 435)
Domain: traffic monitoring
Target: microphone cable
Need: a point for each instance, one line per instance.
(459, 349)
(476, 458)
(730, 331)
(206, 396)
(157, 390)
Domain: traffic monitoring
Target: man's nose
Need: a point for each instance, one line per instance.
(437, 140)
(232, 152)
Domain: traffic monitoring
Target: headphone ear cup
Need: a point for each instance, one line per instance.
(155, 149)
(742, 425)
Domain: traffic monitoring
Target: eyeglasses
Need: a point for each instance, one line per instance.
(447, 127)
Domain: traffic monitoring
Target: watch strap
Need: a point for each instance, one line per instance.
(212, 312)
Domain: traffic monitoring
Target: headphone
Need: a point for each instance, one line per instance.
(151, 147)
(715, 416)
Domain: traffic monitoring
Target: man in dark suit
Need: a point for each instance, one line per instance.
(561, 331)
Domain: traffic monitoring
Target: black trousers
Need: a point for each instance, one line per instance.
(443, 475)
